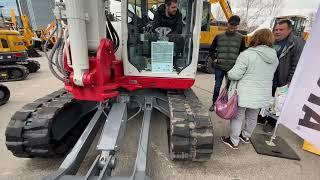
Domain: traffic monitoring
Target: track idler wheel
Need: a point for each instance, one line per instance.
(33, 66)
(4, 94)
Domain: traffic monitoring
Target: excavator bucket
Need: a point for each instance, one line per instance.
(32, 52)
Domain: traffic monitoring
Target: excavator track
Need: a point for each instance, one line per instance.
(41, 129)
(190, 131)
(4, 94)
(13, 73)
(32, 65)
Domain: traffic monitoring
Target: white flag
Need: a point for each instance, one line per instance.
(301, 110)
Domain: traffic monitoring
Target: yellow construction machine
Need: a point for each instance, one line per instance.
(14, 64)
(37, 38)
(12, 67)
(29, 37)
(45, 34)
(210, 27)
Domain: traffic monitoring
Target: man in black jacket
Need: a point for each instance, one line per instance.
(168, 15)
(289, 48)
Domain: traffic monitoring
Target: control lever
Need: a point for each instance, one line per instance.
(163, 32)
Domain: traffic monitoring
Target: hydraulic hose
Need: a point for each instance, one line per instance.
(59, 59)
(112, 34)
(46, 43)
(53, 51)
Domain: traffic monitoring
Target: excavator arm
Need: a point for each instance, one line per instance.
(24, 20)
(13, 18)
(26, 31)
(50, 28)
(225, 6)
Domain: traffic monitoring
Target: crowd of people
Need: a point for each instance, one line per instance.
(255, 72)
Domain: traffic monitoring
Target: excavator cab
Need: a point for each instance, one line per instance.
(157, 51)
(10, 40)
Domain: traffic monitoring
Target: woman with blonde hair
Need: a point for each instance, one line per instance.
(252, 77)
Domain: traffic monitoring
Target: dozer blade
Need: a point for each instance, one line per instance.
(32, 52)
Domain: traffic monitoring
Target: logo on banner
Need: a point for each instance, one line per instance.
(311, 114)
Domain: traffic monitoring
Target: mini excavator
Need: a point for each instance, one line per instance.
(14, 62)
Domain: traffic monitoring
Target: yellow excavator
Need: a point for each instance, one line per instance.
(37, 38)
(44, 34)
(29, 37)
(12, 49)
(209, 29)
(14, 62)
(4, 91)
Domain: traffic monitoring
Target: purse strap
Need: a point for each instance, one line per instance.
(229, 82)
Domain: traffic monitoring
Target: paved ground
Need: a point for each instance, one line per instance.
(224, 164)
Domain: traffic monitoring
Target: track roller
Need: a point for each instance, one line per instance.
(13, 73)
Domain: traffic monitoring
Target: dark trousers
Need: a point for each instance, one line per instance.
(219, 75)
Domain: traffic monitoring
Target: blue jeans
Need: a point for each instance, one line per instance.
(219, 75)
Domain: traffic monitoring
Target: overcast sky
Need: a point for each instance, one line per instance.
(310, 4)
(290, 7)
(294, 7)
(294, 4)
(300, 7)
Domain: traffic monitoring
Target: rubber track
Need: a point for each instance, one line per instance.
(24, 70)
(6, 94)
(28, 64)
(190, 130)
(28, 133)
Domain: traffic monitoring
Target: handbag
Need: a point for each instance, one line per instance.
(227, 109)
